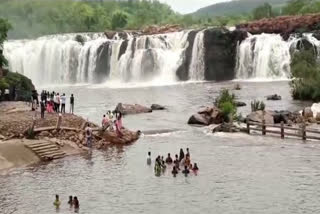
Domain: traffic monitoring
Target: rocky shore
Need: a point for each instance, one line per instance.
(47, 141)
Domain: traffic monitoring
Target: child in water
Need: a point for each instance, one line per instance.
(174, 171)
(57, 202)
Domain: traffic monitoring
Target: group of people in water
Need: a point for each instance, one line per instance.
(182, 160)
(73, 202)
(113, 121)
(51, 102)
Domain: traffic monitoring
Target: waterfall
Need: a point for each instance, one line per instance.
(61, 59)
(265, 56)
(197, 66)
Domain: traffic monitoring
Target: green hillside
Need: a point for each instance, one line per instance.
(236, 7)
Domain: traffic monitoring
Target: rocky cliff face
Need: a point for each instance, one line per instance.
(220, 53)
(284, 25)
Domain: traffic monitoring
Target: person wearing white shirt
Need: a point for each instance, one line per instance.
(63, 103)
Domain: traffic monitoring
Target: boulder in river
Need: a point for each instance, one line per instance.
(258, 116)
(156, 107)
(226, 127)
(240, 104)
(207, 116)
(132, 109)
(307, 112)
(274, 97)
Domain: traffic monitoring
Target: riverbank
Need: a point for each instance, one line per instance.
(47, 141)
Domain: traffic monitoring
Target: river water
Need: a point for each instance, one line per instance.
(238, 173)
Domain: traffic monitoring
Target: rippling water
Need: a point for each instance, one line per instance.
(238, 173)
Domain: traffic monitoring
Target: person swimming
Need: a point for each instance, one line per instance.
(149, 161)
(169, 159)
(57, 202)
(174, 171)
(186, 171)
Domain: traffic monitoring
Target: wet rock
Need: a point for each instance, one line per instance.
(206, 116)
(226, 127)
(274, 97)
(318, 117)
(258, 117)
(307, 112)
(132, 109)
(240, 104)
(220, 51)
(282, 116)
(199, 119)
(44, 134)
(156, 107)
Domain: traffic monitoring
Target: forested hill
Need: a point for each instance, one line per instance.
(236, 7)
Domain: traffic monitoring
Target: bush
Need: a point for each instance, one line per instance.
(226, 103)
(257, 105)
(305, 71)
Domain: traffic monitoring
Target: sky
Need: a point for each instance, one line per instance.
(188, 6)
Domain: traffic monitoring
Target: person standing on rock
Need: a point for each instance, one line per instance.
(89, 136)
(58, 103)
(63, 103)
(71, 104)
(42, 108)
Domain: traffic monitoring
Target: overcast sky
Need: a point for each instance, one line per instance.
(188, 6)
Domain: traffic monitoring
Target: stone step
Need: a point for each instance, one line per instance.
(36, 145)
(53, 156)
(44, 148)
(47, 150)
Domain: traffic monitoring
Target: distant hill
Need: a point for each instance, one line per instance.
(235, 7)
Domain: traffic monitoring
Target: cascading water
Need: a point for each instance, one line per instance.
(265, 56)
(197, 66)
(62, 59)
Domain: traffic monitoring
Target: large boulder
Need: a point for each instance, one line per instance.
(307, 112)
(282, 116)
(315, 108)
(240, 104)
(207, 116)
(258, 117)
(199, 119)
(132, 109)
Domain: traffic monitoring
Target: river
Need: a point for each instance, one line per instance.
(238, 173)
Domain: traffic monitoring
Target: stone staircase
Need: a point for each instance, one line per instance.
(46, 150)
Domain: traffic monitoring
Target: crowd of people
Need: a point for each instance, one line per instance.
(113, 121)
(51, 102)
(73, 203)
(180, 162)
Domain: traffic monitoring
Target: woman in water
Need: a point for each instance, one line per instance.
(57, 202)
(181, 155)
(76, 204)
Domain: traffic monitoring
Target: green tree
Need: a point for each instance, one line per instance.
(294, 7)
(119, 20)
(264, 11)
(5, 26)
(306, 76)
